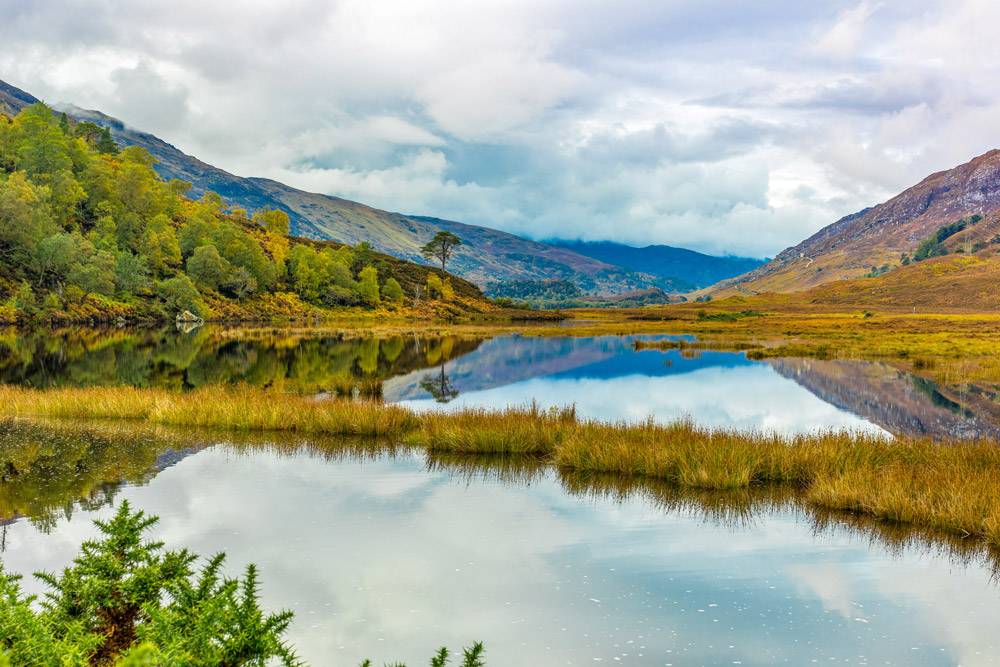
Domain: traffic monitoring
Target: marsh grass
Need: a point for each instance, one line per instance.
(240, 408)
(953, 487)
(344, 385)
(514, 431)
(371, 387)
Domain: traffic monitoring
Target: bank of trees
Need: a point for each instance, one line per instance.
(83, 220)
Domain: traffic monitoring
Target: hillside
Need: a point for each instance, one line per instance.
(665, 261)
(952, 283)
(90, 232)
(879, 236)
(488, 254)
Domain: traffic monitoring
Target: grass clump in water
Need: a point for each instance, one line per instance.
(371, 387)
(950, 486)
(516, 431)
(344, 385)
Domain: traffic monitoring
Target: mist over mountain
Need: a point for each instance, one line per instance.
(665, 261)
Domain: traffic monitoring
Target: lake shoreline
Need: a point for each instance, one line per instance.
(949, 486)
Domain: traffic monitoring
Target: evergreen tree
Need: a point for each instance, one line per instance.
(441, 247)
(106, 145)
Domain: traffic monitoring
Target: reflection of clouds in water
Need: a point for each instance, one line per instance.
(744, 396)
(387, 560)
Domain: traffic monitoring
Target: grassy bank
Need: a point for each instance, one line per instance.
(953, 487)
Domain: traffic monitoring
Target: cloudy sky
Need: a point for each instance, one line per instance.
(725, 126)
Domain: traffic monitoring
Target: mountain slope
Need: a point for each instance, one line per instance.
(665, 261)
(487, 255)
(879, 236)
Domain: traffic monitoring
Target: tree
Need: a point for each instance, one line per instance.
(105, 144)
(180, 294)
(241, 284)
(392, 291)
(24, 221)
(368, 286)
(131, 274)
(441, 247)
(434, 285)
(206, 267)
(43, 145)
(88, 130)
(447, 291)
(274, 221)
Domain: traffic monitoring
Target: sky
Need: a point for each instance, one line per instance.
(724, 126)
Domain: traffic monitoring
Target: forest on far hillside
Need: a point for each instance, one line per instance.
(89, 230)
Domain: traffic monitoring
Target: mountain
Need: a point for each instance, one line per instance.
(878, 237)
(665, 261)
(12, 99)
(487, 255)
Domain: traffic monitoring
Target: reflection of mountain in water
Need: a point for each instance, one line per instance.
(508, 359)
(899, 402)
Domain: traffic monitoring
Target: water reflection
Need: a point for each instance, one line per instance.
(388, 553)
(897, 401)
(603, 376)
(291, 360)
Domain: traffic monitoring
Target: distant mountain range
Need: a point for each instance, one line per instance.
(876, 239)
(665, 261)
(488, 254)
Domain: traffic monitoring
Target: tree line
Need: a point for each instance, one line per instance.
(83, 221)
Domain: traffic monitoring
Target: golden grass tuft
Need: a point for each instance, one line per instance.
(516, 431)
(240, 408)
(954, 487)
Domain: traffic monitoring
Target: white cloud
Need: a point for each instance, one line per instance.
(720, 126)
(845, 36)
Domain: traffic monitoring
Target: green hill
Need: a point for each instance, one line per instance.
(91, 232)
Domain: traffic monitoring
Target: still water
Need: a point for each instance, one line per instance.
(604, 377)
(386, 554)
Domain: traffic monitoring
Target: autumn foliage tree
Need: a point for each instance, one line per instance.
(86, 222)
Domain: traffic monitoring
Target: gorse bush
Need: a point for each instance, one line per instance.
(127, 602)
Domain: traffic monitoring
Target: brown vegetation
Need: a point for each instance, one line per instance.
(954, 487)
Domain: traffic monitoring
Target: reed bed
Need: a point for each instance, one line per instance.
(954, 487)
(239, 408)
(513, 431)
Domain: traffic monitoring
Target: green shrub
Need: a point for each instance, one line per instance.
(392, 291)
(127, 601)
(180, 294)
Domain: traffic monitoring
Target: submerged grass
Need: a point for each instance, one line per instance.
(954, 487)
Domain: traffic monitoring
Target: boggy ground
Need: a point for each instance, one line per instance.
(951, 487)
(948, 348)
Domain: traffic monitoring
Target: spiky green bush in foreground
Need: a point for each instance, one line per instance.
(127, 602)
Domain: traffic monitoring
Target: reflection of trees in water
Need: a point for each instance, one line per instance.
(166, 358)
(439, 386)
(47, 471)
